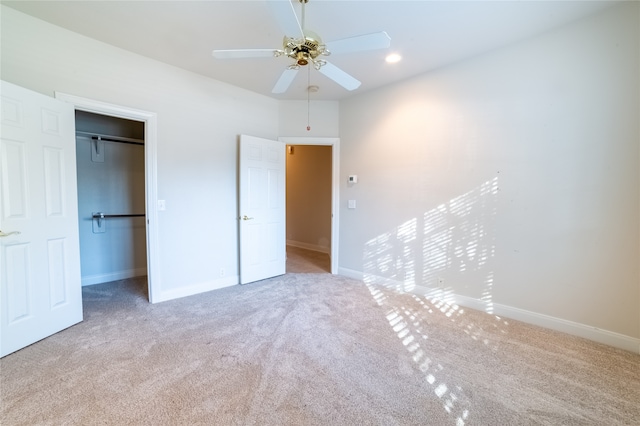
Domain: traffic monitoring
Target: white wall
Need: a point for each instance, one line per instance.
(323, 118)
(512, 176)
(199, 120)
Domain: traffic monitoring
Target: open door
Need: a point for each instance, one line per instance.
(262, 209)
(40, 287)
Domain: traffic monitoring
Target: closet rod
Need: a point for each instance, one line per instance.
(108, 138)
(105, 216)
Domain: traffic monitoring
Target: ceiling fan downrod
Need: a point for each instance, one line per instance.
(304, 51)
(303, 2)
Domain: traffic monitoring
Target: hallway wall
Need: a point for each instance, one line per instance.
(309, 178)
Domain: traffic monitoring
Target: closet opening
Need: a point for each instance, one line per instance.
(110, 162)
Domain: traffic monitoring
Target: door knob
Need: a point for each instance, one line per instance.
(6, 234)
(245, 217)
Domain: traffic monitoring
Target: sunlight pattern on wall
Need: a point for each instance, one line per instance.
(453, 243)
(459, 241)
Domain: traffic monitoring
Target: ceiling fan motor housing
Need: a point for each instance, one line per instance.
(304, 51)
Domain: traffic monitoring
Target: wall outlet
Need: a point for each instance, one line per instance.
(222, 272)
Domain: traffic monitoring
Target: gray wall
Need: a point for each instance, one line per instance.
(510, 179)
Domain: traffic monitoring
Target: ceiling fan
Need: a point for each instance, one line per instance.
(306, 48)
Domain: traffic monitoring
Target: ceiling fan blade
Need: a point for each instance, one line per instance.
(286, 16)
(243, 53)
(339, 76)
(360, 43)
(285, 81)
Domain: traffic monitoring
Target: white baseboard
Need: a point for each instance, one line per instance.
(606, 337)
(196, 288)
(350, 273)
(307, 246)
(112, 276)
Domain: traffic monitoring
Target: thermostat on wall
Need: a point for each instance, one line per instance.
(353, 178)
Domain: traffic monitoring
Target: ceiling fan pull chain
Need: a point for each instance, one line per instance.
(308, 97)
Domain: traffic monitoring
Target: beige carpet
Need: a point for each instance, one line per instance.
(310, 349)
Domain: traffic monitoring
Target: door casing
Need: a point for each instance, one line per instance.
(335, 186)
(151, 189)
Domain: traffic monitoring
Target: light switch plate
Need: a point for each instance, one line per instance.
(352, 204)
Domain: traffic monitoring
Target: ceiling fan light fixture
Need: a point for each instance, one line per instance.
(318, 63)
(302, 58)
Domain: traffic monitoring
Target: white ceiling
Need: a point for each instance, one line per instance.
(428, 34)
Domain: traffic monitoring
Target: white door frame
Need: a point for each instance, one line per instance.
(150, 159)
(334, 143)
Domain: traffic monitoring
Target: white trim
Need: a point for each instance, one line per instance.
(351, 273)
(335, 187)
(151, 181)
(595, 334)
(198, 288)
(113, 276)
(570, 327)
(307, 246)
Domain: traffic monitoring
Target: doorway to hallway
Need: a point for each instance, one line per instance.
(321, 183)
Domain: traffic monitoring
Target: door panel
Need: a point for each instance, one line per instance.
(262, 209)
(13, 167)
(17, 271)
(57, 281)
(40, 288)
(54, 181)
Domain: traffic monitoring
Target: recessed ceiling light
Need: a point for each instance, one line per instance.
(393, 58)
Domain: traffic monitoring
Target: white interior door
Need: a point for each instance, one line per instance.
(262, 209)
(40, 287)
